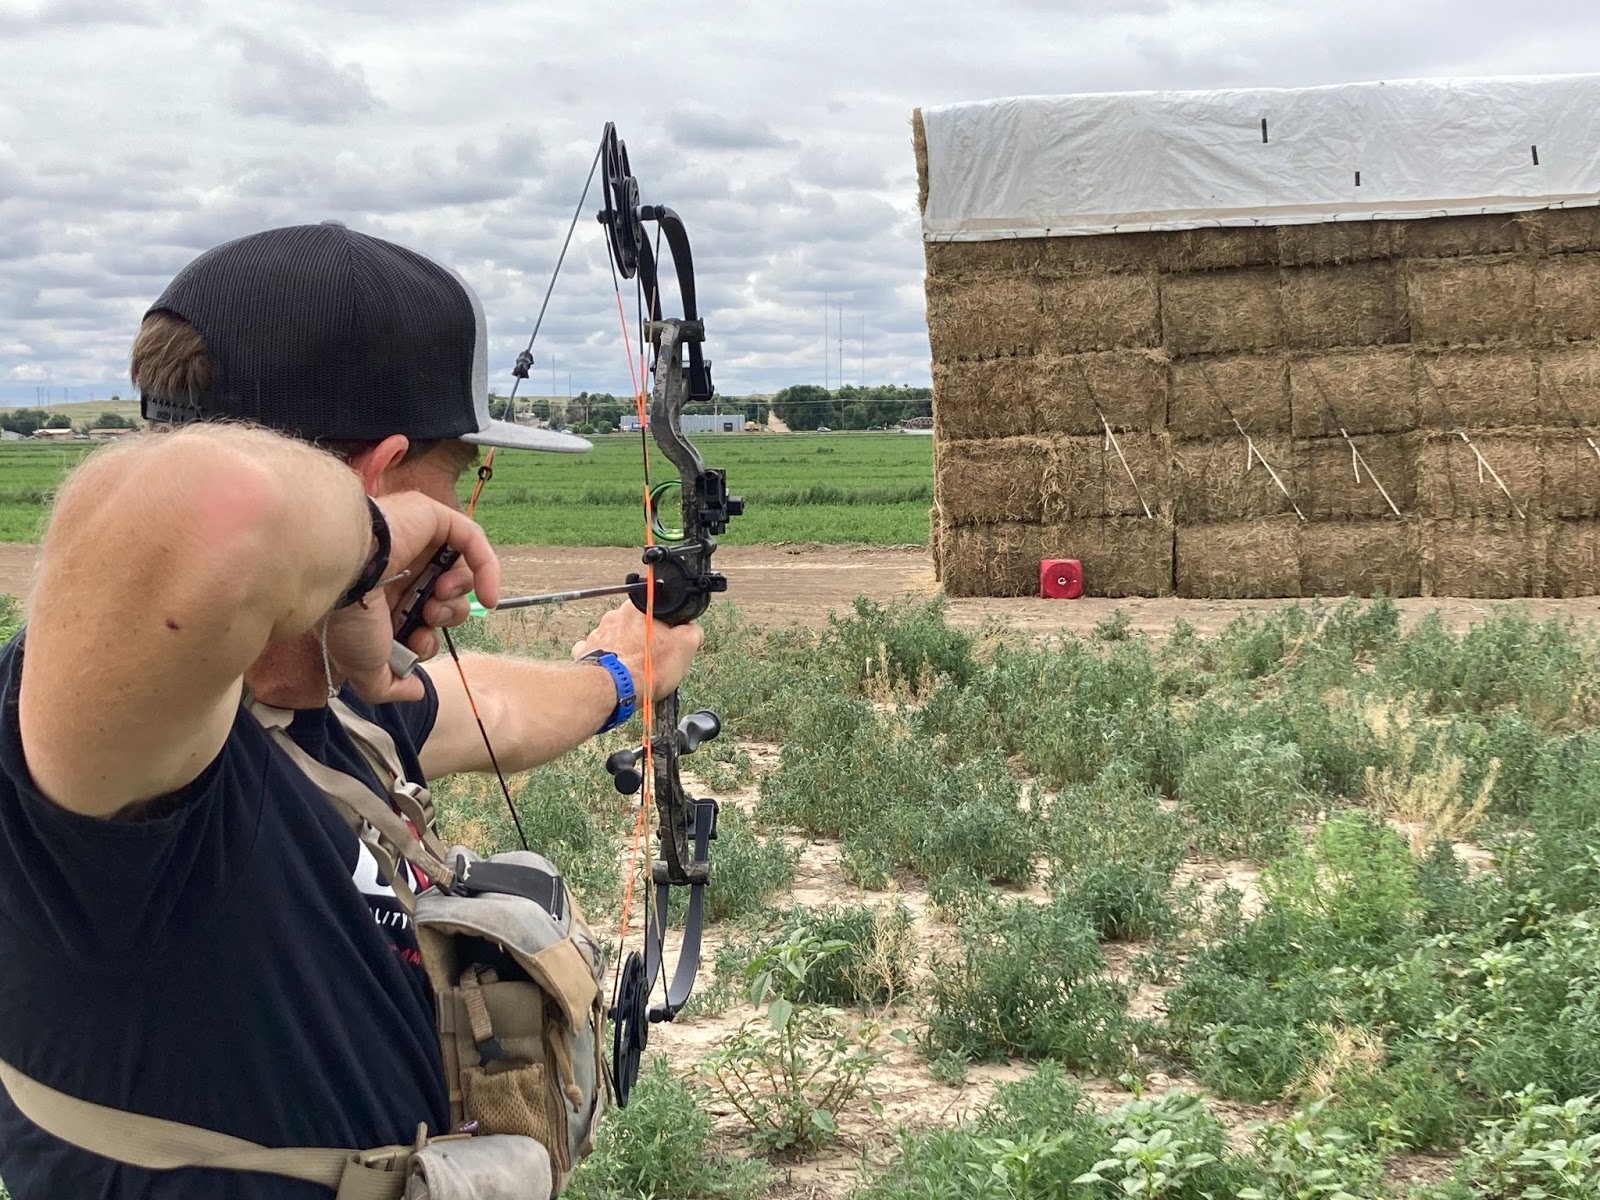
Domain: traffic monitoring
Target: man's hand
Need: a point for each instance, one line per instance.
(360, 637)
(622, 631)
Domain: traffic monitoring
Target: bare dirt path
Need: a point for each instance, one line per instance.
(803, 583)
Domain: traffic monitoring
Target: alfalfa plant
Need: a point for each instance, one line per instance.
(1027, 982)
(791, 1070)
(662, 1144)
(1113, 849)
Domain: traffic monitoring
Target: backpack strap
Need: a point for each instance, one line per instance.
(394, 837)
(160, 1145)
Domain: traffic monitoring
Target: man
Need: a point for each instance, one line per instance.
(188, 928)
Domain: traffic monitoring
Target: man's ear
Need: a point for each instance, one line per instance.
(372, 464)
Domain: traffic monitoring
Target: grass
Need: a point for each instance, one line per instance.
(856, 487)
(1409, 962)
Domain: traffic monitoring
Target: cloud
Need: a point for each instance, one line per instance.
(134, 136)
(295, 80)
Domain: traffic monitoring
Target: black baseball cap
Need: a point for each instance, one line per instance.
(326, 333)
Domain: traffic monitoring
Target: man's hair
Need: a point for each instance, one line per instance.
(170, 362)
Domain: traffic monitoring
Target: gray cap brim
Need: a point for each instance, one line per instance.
(526, 437)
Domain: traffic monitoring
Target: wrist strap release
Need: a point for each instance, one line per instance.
(623, 679)
(377, 566)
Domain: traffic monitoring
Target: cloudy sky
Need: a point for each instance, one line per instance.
(136, 133)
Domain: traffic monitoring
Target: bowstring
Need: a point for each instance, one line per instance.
(486, 473)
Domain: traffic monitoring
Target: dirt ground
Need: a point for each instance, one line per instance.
(802, 583)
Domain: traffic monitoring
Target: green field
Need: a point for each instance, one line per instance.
(846, 487)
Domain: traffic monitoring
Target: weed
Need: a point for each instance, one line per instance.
(1026, 983)
(899, 649)
(1301, 1159)
(1170, 1146)
(1118, 627)
(1242, 796)
(1544, 1149)
(1113, 849)
(792, 1070)
(663, 1144)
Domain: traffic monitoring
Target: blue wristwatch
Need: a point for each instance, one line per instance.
(623, 679)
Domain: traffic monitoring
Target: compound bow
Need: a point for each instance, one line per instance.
(675, 588)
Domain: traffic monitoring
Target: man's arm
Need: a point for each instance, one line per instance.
(169, 565)
(534, 711)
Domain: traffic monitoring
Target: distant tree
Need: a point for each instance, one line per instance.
(111, 420)
(26, 421)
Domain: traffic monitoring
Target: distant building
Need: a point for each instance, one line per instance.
(54, 435)
(691, 425)
(109, 435)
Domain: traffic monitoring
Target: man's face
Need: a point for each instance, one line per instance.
(438, 473)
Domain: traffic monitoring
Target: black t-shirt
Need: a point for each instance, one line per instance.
(237, 964)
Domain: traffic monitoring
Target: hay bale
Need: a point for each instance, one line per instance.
(935, 531)
(1128, 386)
(1478, 557)
(1254, 386)
(1217, 248)
(972, 262)
(1569, 385)
(1214, 311)
(1220, 480)
(1002, 480)
(1359, 305)
(984, 318)
(1098, 312)
(1452, 483)
(992, 560)
(1470, 301)
(1568, 230)
(1101, 252)
(985, 399)
(1239, 559)
(1332, 485)
(1359, 558)
(1085, 478)
(1453, 237)
(1121, 556)
(1572, 559)
(1477, 389)
(1566, 295)
(1571, 474)
(1373, 391)
(1328, 242)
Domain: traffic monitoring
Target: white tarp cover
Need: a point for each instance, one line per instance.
(1127, 161)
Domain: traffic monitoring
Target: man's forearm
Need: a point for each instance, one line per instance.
(533, 710)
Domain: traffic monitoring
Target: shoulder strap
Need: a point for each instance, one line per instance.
(420, 848)
(159, 1145)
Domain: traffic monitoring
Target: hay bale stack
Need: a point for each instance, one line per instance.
(1124, 556)
(1230, 560)
(1453, 481)
(1337, 484)
(1482, 557)
(1225, 479)
(1360, 558)
(1572, 558)
(1400, 333)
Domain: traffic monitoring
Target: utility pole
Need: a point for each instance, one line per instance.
(826, 365)
(863, 351)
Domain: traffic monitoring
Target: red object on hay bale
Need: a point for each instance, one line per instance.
(1060, 578)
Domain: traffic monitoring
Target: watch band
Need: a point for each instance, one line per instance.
(622, 678)
(377, 566)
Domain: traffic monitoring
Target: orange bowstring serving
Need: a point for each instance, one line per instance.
(638, 372)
